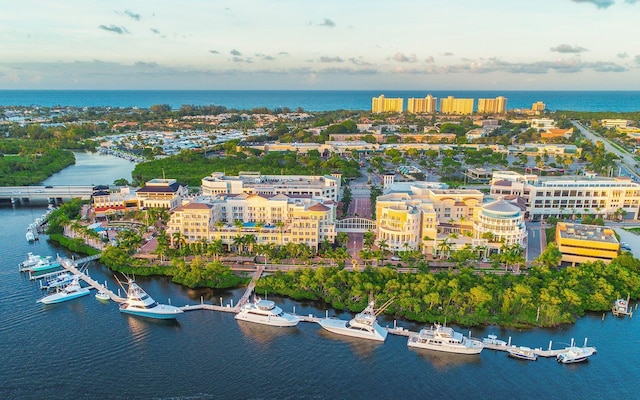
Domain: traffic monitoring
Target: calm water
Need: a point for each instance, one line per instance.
(85, 349)
(313, 100)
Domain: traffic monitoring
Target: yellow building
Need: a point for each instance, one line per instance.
(538, 106)
(426, 105)
(382, 104)
(580, 243)
(492, 106)
(451, 105)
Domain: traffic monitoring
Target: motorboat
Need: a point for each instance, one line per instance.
(102, 295)
(575, 354)
(523, 353)
(139, 303)
(267, 313)
(44, 265)
(621, 308)
(444, 338)
(30, 236)
(72, 291)
(59, 280)
(492, 340)
(32, 259)
(364, 325)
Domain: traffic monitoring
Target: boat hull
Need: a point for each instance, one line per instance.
(520, 356)
(469, 350)
(41, 268)
(284, 322)
(339, 327)
(61, 297)
(166, 313)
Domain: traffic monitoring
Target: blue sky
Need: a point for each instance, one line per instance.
(321, 44)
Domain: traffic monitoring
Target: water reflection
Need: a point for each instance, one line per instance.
(265, 334)
(444, 361)
(365, 348)
(141, 327)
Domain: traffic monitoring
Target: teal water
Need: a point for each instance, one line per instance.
(317, 100)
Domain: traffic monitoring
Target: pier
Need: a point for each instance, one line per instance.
(71, 266)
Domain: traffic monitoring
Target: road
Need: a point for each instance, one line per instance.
(627, 160)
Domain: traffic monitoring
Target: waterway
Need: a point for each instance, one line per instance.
(88, 350)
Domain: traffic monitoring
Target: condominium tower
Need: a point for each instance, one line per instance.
(451, 105)
(382, 104)
(426, 105)
(492, 106)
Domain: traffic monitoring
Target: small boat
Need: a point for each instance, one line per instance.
(444, 338)
(72, 291)
(267, 313)
(492, 340)
(575, 354)
(364, 325)
(523, 353)
(139, 303)
(44, 265)
(31, 260)
(57, 281)
(102, 295)
(30, 236)
(621, 308)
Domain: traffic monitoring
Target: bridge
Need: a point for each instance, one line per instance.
(355, 225)
(15, 193)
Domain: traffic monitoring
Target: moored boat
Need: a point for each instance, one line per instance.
(364, 325)
(72, 291)
(492, 340)
(31, 260)
(575, 354)
(621, 308)
(30, 236)
(102, 295)
(444, 338)
(139, 303)
(59, 280)
(523, 353)
(267, 313)
(44, 265)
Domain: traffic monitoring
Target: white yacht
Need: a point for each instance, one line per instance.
(267, 313)
(575, 354)
(31, 261)
(364, 325)
(72, 291)
(523, 353)
(492, 340)
(444, 338)
(139, 303)
(621, 308)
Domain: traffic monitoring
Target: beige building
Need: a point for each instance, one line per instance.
(325, 186)
(492, 106)
(503, 220)
(580, 243)
(451, 105)
(277, 219)
(161, 193)
(538, 106)
(569, 195)
(382, 104)
(614, 123)
(418, 106)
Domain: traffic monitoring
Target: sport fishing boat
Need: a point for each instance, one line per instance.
(621, 308)
(364, 325)
(139, 303)
(267, 313)
(31, 261)
(444, 338)
(72, 291)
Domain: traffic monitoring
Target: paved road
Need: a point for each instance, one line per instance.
(626, 159)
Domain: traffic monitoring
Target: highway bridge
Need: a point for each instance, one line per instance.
(20, 193)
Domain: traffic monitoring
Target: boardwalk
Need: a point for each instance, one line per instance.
(252, 285)
(71, 266)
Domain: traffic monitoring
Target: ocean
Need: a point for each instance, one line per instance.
(329, 100)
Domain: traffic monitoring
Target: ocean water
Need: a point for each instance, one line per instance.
(618, 101)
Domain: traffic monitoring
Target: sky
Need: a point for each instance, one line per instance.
(320, 44)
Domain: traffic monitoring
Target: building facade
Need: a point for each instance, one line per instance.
(492, 106)
(580, 243)
(382, 104)
(418, 106)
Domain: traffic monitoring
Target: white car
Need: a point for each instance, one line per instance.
(395, 258)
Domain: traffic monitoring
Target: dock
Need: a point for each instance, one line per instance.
(71, 266)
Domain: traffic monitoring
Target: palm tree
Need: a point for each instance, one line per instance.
(444, 247)
(219, 225)
(383, 246)
(280, 226)
(342, 238)
(215, 248)
(250, 240)
(369, 239)
(177, 240)
(237, 242)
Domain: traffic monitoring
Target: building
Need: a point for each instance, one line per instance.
(325, 186)
(382, 105)
(161, 193)
(105, 203)
(614, 123)
(542, 123)
(492, 106)
(580, 243)
(426, 105)
(554, 133)
(570, 195)
(538, 106)
(503, 220)
(451, 105)
(277, 219)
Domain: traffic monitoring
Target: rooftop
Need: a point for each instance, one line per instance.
(586, 232)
